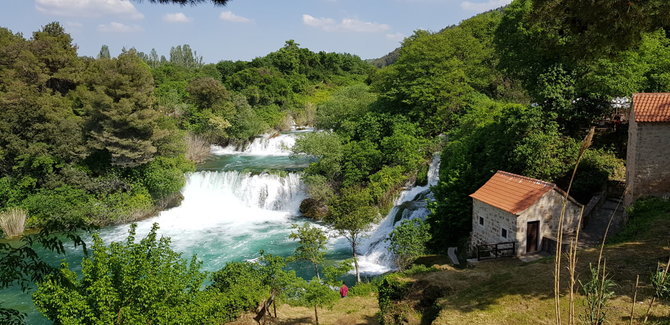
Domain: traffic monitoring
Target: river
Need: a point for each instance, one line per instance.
(241, 201)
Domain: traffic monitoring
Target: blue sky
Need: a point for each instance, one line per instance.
(243, 29)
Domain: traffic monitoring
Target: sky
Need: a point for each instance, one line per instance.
(243, 29)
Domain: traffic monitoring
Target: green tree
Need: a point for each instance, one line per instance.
(318, 294)
(124, 120)
(326, 147)
(104, 53)
(125, 282)
(408, 241)
(436, 73)
(344, 104)
(311, 245)
(351, 214)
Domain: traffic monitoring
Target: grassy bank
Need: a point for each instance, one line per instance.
(509, 291)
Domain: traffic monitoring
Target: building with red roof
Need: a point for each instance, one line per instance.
(519, 209)
(648, 156)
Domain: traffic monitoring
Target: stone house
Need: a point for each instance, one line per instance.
(648, 156)
(524, 210)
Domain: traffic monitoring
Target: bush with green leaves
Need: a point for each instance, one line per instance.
(311, 245)
(660, 281)
(598, 290)
(128, 282)
(164, 175)
(408, 241)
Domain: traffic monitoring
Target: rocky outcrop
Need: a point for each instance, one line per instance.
(314, 209)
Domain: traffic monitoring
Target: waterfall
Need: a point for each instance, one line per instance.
(411, 204)
(265, 145)
(228, 215)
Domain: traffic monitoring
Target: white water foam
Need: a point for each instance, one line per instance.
(225, 214)
(376, 258)
(265, 145)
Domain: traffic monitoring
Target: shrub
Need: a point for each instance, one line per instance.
(12, 221)
(418, 269)
(164, 176)
(660, 280)
(598, 290)
(643, 215)
(596, 168)
(363, 289)
(408, 241)
(64, 203)
(197, 148)
(391, 290)
(131, 282)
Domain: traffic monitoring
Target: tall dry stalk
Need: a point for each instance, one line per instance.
(561, 221)
(632, 306)
(13, 221)
(572, 266)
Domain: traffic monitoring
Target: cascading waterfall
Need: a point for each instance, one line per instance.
(267, 144)
(411, 204)
(230, 214)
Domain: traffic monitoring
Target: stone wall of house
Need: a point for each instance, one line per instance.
(648, 160)
(547, 210)
(494, 221)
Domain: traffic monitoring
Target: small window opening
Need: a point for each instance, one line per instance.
(504, 233)
(481, 221)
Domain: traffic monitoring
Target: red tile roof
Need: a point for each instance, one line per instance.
(511, 192)
(652, 107)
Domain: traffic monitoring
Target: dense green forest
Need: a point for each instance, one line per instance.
(98, 141)
(108, 140)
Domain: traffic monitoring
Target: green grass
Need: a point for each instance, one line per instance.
(646, 218)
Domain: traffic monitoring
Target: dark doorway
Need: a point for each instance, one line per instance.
(532, 236)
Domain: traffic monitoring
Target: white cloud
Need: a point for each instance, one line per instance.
(347, 24)
(115, 27)
(395, 36)
(89, 8)
(178, 17)
(483, 6)
(230, 16)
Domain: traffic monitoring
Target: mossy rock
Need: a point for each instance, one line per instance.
(314, 209)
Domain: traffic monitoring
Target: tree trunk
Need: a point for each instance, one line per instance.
(358, 274)
(316, 269)
(274, 304)
(316, 315)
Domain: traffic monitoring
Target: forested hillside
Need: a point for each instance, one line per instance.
(99, 141)
(106, 140)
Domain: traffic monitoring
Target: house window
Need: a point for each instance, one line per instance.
(481, 221)
(504, 233)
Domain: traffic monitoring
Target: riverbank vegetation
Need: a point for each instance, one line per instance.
(107, 140)
(88, 142)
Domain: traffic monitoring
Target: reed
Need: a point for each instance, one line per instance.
(586, 143)
(13, 221)
(632, 306)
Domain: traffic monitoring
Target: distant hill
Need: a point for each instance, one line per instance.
(390, 58)
(385, 60)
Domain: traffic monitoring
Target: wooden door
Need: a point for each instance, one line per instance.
(532, 236)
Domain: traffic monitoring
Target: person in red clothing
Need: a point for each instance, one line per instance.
(344, 290)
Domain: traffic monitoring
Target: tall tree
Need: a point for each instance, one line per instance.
(124, 119)
(352, 213)
(104, 53)
(311, 245)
